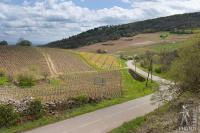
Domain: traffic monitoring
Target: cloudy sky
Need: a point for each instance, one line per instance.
(42, 21)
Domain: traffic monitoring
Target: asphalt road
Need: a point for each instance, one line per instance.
(104, 120)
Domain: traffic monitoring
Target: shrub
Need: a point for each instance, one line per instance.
(4, 43)
(185, 70)
(101, 51)
(22, 42)
(35, 109)
(26, 80)
(80, 100)
(8, 117)
(158, 70)
(2, 72)
(143, 64)
(45, 75)
(3, 80)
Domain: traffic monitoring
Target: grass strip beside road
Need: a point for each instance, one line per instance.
(133, 125)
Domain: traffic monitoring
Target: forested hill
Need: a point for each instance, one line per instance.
(101, 34)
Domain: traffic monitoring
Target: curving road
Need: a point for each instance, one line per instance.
(104, 120)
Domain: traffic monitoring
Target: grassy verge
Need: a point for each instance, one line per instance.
(132, 126)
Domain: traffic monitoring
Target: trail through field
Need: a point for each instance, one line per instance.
(104, 120)
(50, 64)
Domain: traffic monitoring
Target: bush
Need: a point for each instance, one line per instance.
(3, 80)
(2, 72)
(186, 71)
(35, 109)
(101, 51)
(143, 64)
(8, 117)
(80, 100)
(4, 43)
(22, 42)
(158, 70)
(26, 80)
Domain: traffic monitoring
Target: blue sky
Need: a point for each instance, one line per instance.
(99, 4)
(92, 4)
(42, 21)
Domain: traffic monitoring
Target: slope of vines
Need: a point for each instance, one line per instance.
(66, 61)
(97, 85)
(102, 61)
(19, 59)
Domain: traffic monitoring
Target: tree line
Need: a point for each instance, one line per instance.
(20, 42)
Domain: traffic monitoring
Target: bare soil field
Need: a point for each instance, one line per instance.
(114, 46)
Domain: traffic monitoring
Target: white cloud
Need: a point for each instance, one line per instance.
(126, 1)
(48, 20)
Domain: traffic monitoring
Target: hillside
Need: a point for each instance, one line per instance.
(125, 44)
(16, 60)
(102, 34)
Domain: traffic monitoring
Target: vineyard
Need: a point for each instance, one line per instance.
(103, 61)
(65, 61)
(19, 59)
(96, 85)
(78, 75)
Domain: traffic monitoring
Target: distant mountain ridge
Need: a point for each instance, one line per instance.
(105, 33)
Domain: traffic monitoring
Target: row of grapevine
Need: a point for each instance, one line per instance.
(19, 59)
(104, 61)
(16, 59)
(66, 61)
(104, 84)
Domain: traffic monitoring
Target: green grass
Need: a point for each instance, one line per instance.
(132, 89)
(55, 82)
(131, 126)
(3, 80)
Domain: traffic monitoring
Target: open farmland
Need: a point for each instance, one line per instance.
(115, 46)
(74, 75)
